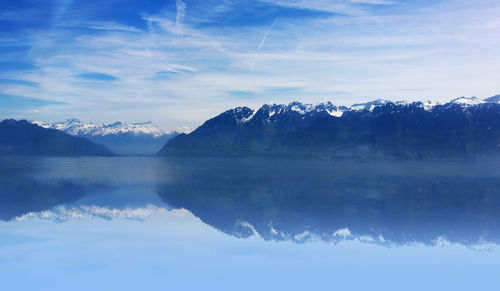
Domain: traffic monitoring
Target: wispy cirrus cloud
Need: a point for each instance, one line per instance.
(374, 2)
(96, 76)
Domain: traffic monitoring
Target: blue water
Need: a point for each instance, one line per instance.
(129, 223)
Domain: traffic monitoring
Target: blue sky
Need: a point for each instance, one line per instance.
(180, 62)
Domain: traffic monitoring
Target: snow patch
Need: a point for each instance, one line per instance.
(429, 105)
(247, 119)
(369, 105)
(297, 108)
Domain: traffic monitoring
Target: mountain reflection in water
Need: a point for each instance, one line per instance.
(21, 191)
(385, 201)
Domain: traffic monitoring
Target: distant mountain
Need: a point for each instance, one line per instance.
(24, 138)
(136, 138)
(463, 127)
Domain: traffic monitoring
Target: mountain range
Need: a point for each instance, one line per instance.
(126, 139)
(461, 128)
(24, 138)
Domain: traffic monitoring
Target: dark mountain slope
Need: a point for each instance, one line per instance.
(409, 130)
(24, 138)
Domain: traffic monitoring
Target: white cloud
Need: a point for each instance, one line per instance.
(437, 52)
(101, 25)
(335, 6)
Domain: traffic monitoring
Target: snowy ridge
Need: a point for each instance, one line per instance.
(272, 110)
(464, 101)
(74, 126)
(369, 105)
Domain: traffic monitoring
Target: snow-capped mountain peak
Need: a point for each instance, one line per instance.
(467, 101)
(272, 111)
(429, 105)
(369, 105)
(74, 126)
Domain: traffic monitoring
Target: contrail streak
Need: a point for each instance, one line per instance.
(265, 35)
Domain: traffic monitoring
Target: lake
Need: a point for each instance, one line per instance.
(128, 223)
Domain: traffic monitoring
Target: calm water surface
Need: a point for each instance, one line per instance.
(139, 223)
